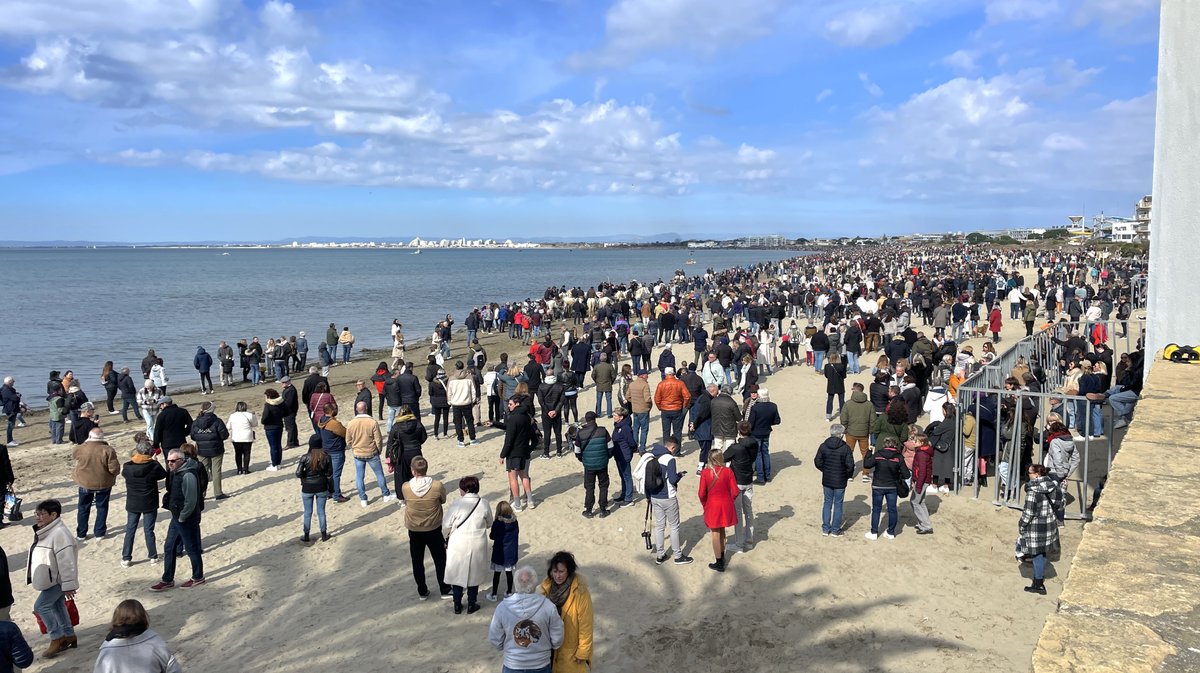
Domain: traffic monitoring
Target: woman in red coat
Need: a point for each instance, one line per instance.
(995, 320)
(718, 488)
(922, 477)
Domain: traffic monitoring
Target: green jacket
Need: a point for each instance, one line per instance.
(858, 414)
(593, 447)
(883, 429)
(604, 374)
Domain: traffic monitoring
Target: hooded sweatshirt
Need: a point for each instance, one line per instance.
(424, 497)
(527, 628)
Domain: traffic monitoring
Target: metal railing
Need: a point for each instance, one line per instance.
(1010, 424)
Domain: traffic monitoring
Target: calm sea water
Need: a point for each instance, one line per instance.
(75, 308)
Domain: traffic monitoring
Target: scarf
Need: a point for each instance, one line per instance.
(558, 592)
(126, 631)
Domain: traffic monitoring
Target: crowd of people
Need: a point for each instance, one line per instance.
(732, 330)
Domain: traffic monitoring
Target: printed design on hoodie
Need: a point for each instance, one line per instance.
(526, 633)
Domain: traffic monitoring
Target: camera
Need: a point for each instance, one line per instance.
(646, 536)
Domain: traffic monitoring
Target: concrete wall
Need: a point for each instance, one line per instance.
(1174, 303)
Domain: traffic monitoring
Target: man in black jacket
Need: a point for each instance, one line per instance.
(292, 404)
(550, 399)
(835, 460)
(172, 426)
(128, 390)
(409, 387)
(209, 433)
(741, 456)
(362, 394)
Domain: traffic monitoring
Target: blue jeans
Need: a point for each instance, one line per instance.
(52, 606)
(392, 411)
(338, 460)
(604, 396)
(280, 369)
(762, 462)
(471, 334)
(255, 374)
(641, 428)
(184, 534)
(321, 499)
(833, 500)
(819, 361)
(852, 362)
(275, 442)
(877, 497)
(1039, 567)
(148, 520)
(376, 467)
(128, 403)
(56, 431)
(346, 352)
(625, 471)
(672, 424)
(86, 497)
(544, 669)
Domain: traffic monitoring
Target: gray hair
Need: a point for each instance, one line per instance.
(8, 380)
(525, 580)
(95, 434)
(711, 387)
(837, 430)
(175, 454)
(143, 448)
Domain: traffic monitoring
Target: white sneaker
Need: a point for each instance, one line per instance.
(124, 563)
(362, 503)
(14, 443)
(491, 597)
(389, 498)
(889, 536)
(871, 536)
(272, 468)
(113, 413)
(153, 561)
(943, 489)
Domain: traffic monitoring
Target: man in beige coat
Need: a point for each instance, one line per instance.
(641, 401)
(365, 440)
(96, 470)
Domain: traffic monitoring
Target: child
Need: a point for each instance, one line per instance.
(504, 547)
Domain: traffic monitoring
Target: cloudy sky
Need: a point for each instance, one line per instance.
(247, 120)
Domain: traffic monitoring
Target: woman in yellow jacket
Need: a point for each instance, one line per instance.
(569, 593)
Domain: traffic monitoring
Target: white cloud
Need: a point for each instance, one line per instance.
(962, 61)
(871, 87)
(825, 93)
(1059, 142)
(1002, 11)
(873, 26)
(635, 27)
(750, 155)
(1114, 13)
(282, 22)
(46, 17)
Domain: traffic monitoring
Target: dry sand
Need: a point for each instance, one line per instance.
(798, 601)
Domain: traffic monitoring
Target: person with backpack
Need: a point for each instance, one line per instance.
(888, 483)
(660, 478)
(185, 501)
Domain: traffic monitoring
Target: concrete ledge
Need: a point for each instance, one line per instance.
(1130, 604)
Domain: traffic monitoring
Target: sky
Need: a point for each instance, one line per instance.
(187, 120)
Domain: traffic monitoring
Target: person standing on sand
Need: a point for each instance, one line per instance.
(203, 363)
(185, 500)
(209, 434)
(718, 489)
(291, 405)
(108, 379)
(425, 497)
(1038, 526)
(172, 426)
(148, 404)
(241, 426)
(835, 460)
(672, 399)
(225, 358)
(158, 374)
(467, 525)
(550, 396)
(366, 443)
(272, 422)
(363, 393)
(764, 416)
(142, 474)
(10, 400)
(526, 626)
(665, 502)
(565, 588)
(346, 341)
(641, 401)
(315, 473)
(331, 341)
(404, 443)
(741, 456)
(53, 571)
(889, 471)
(96, 470)
(333, 440)
(462, 394)
(301, 352)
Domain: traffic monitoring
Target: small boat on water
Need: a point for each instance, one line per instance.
(416, 252)
(690, 259)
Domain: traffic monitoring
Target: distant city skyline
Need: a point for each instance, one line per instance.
(244, 120)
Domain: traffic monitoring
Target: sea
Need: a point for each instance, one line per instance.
(75, 308)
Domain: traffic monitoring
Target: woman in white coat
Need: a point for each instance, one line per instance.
(467, 523)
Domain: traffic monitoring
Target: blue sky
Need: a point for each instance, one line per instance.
(219, 119)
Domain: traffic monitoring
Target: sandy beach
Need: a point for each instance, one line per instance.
(799, 601)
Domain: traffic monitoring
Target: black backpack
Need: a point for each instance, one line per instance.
(654, 479)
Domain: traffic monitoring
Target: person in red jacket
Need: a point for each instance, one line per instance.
(995, 321)
(922, 477)
(718, 488)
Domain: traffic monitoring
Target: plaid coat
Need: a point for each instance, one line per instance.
(1038, 529)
